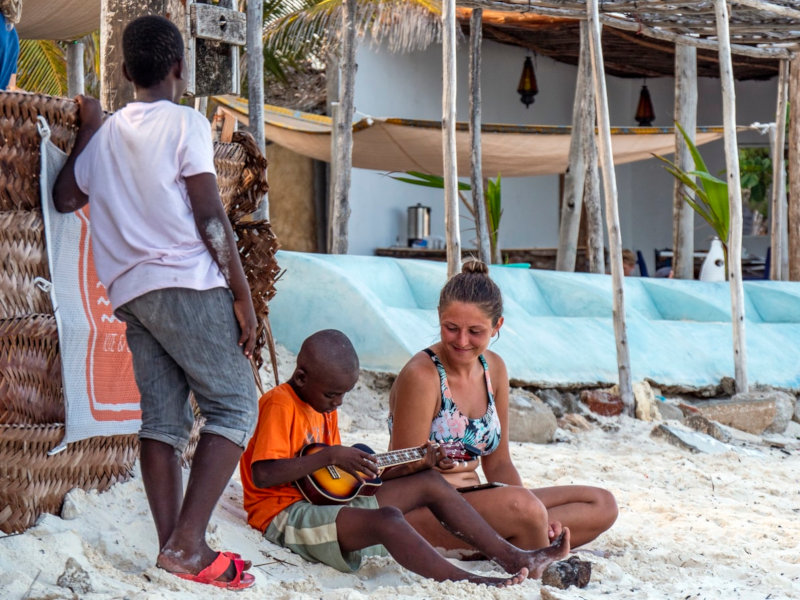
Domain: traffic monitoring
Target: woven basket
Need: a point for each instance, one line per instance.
(32, 482)
(23, 257)
(31, 400)
(30, 371)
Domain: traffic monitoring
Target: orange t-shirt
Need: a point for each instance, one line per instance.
(285, 425)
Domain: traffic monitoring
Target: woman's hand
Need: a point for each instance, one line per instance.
(436, 457)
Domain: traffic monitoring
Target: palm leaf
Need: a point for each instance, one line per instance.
(42, 67)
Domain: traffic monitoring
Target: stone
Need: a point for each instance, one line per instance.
(784, 411)
(646, 405)
(796, 417)
(602, 402)
(565, 573)
(75, 578)
(708, 427)
(753, 412)
(574, 422)
(670, 412)
(530, 419)
(554, 400)
(693, 441)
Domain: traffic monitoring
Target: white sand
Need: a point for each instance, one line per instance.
(691, 526)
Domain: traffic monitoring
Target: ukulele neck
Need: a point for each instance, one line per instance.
(399, 457)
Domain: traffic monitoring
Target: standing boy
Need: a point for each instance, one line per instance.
(165, 251)
(303, 411)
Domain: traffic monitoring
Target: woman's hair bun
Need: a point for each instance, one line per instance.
(475, 266)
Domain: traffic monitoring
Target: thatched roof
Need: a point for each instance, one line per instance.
(757, 29)
(625, 53)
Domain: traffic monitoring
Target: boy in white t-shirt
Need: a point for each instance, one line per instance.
(165, 250)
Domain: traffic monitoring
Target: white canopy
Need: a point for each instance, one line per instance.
(58, 19)
(387, 144)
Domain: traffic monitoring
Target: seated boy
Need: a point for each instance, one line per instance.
(303, 411)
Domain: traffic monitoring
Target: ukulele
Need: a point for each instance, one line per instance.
(331, 485)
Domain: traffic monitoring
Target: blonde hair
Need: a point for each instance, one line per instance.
(474, 286)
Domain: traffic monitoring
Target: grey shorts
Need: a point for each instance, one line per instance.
(310, 531)
(181, 340)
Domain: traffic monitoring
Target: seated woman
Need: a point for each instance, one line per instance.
(458, 390)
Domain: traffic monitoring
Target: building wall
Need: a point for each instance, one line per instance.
(409, 85)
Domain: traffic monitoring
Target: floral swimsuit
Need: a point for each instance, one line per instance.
(450, 424)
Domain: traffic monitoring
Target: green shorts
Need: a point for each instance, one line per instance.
(310, 531)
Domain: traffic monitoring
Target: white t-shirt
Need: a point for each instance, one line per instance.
(144, 236)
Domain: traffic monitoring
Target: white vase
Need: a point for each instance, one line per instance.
(713, 268)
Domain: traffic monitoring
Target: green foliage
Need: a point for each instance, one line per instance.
(755, 167)
(710, 193)
(494, 210)
(42, 67)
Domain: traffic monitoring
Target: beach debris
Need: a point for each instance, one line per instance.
(565, 573)
(693, 441)
(75, 578)
(602, 402)
(647, 407)
(530, 419)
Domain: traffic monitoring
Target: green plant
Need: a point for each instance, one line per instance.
(755, 166)
(710, 193)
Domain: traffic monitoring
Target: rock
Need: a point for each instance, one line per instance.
(753, 412)
(703, 425)
(574, 422)
(565, 573)
(727, 386)
(602, 402)
(530, 419)
(670, 412)
(560, 403)
(689, 440)
(784, 411)
(796, 417)
(646, 405)
(75, 578)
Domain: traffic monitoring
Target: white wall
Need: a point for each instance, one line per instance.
(409, 85)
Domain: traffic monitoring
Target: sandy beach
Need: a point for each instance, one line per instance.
(691, 526)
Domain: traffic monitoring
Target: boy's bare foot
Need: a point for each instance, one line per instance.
(501, 582)
(536, 561)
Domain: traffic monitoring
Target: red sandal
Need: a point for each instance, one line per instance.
(210, 575)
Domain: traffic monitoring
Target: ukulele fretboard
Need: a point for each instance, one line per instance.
(399, 457)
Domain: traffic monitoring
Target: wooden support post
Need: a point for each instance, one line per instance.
(476, 171)
(734, 197)
(75, 76)
(779, 268)
(793, 217)
(595, 245)
(582, 127)
(337, 241)
(255, 84)
(686, 116)
(452, 233)
(612, 211)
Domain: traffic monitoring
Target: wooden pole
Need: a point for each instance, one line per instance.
(734, 197)
(793, 217)
(337, 241)
(582, 127)
(476, 171)
(595, 245)
(612, 211)
(778, 231)
(255, 84)
(686, 116)
(452, 234)
(75, 76)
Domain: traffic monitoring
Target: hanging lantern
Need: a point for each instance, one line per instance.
(644, 111)
(527, 88)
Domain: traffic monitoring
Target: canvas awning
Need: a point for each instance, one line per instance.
(61, 20)
(387, 144)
